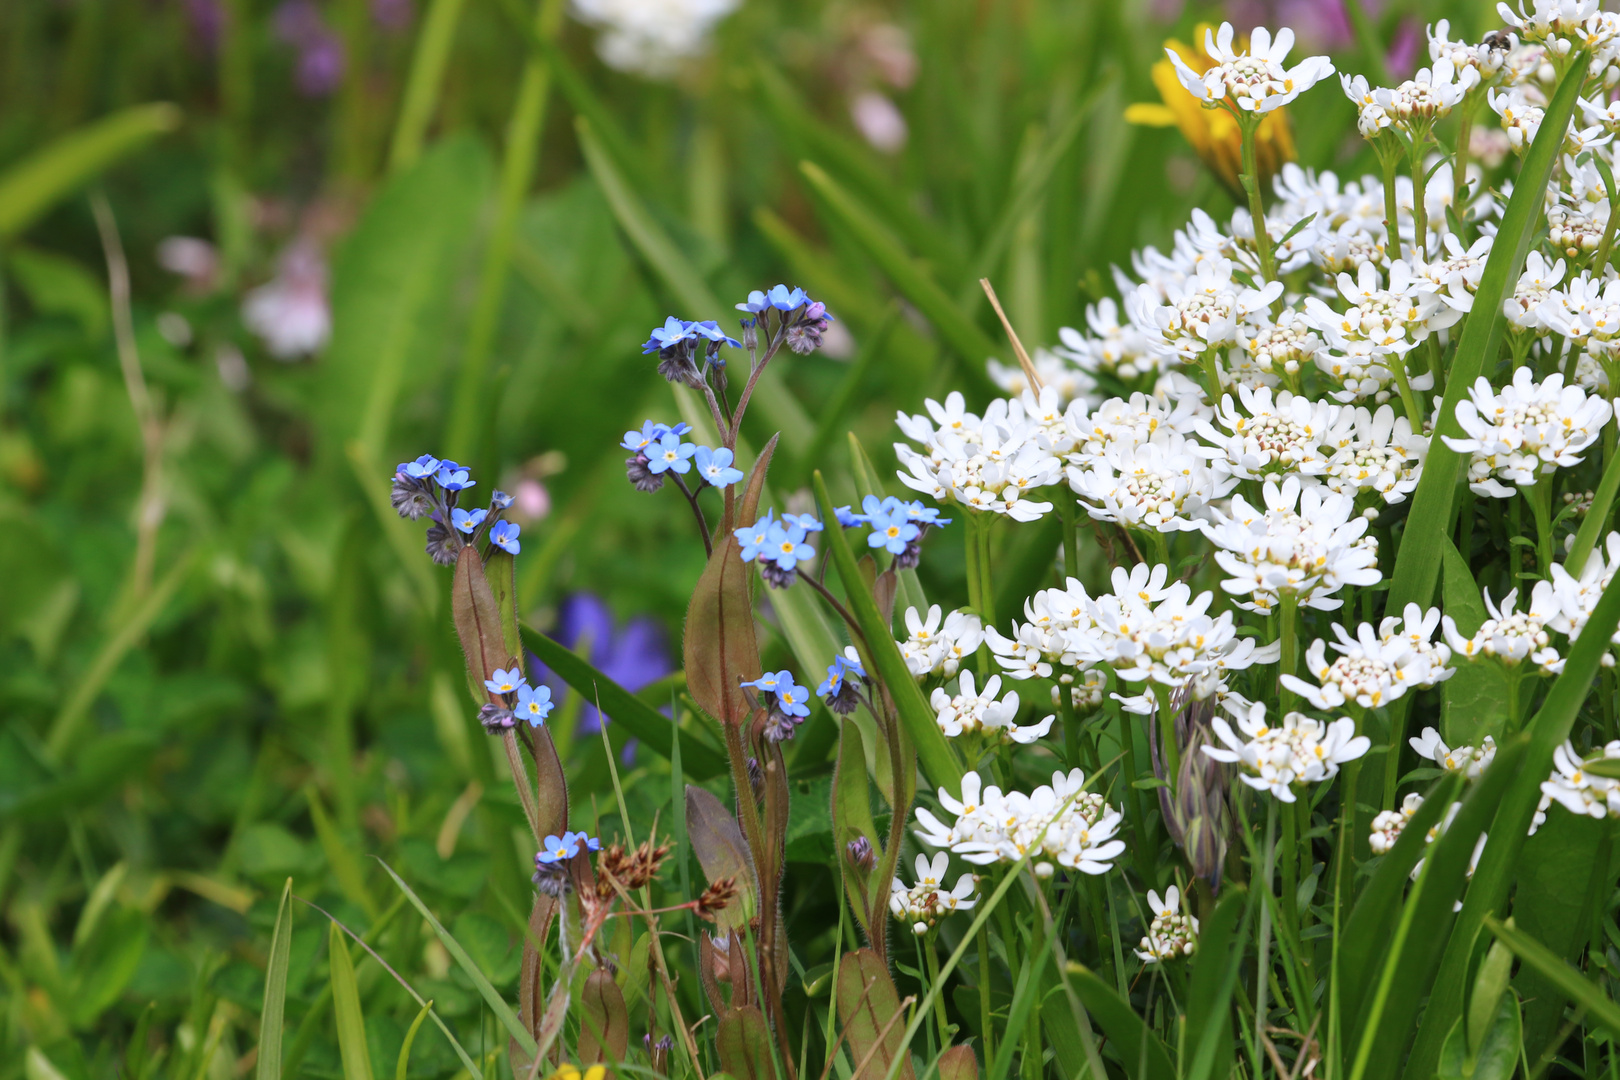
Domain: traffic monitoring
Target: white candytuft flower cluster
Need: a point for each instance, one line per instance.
(1471, 761)
(1060, 822)
(1172, 934)
(1301, 751)
(1370, 670)
(922, 905)
(969, 713)
(652, 37)
(1576, 788)
(935, 649)
(1387, 825)
(1525, 431)
(988, 464)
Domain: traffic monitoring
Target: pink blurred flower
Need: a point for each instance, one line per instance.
(194, 260)
(889, 49)
(879, 121)
(291, 312)
(530, 501)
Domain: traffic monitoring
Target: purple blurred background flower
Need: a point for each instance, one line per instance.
(319, 68)
(634, 655)
(1320, 24)
(207, 19)
(391, 15)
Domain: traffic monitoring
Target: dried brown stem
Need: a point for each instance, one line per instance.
(1012, 336)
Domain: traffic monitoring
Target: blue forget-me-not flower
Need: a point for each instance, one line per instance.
(715, 466)
(533, 704)
(670, 453)
(467, 521)
(504, 535)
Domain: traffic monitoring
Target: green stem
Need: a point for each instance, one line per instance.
(940, 1020)
(986, 1019)
(1263, 967)
(1392, 214)
(1167, 735)
(1607, 245)
(987, 594)
(1342, 866)
(422, 86)
(1515, 681)
(1289, 908)
(1414, 414)
(1289, 613)
(1034, 1049)
(1249, 123)
(1459, 167)
(1212, 376)
(1071, 726)
(1540, 498)
(1420, 211)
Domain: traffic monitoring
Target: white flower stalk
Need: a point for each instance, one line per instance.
(922, 905)
(1277, 759)
(1286, 433)
(1525, 431)
(969, 713)
(989, 464)
(1309, 553)
(1587, 312)
(1471, 761)
(1150, 632)
(933, 649)
(1200, 313)
(1060, 822)
(1383, 457)
(1172, 934)
(1455, 277)
(1161, 486)
(1389, 319)
(1574, 787)
(1388, 825)
(1511, 636)
(1372, 119)
(1111, 348)
(1369, 671)
(1044, 641)
(1253, 80)
(1575, 598)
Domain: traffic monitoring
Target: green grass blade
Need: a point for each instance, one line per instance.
(1143, 1054)
(410, 1037)
(1596, 518)
(938, 760)
(1025, 995)
(1417, 565)
(492, 997)
(960, 332)
(1568, 980)
(340, 857)
(1499, 861)
(273, 1014)
(780, 409)
(701, 761)
(423, 83)
(1221, 942)
(35, 184)
(351, 1024)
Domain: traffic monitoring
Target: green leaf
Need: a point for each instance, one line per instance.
(497, 1004)
(1215, 966)
(867, 1003)
(1498, 1055)
(1025, 993)
(718, 842)
(604, 1031)
(939, 761)
(852, 818)
(424, 82)
(1474, 700)
(57, 285)
(32, 186)
(273, 1013)
(743, 1042)
(1552, 894)
(700, 760)
(1142, 1054)
(958, 1063)
(340, 856)
(959, 331)
(401, 1068)
(1569, 982)
(771, 396)
(1548, 728)
(394, 287)
(351, 1025)
(1417, 563)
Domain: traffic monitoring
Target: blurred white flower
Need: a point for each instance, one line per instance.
(291, 313)
(879, 121)
(1468, 760)
(652, 37)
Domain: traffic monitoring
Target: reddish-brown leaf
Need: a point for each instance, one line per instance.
(868, 1002)
(604, 1028)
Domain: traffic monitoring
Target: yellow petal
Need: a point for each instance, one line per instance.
(1149, 114)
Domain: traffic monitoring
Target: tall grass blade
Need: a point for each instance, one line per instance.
(400, 1069)
(1586, 995)
(423, 84)
(272, 1015)
(351, 1024)
(492, 997)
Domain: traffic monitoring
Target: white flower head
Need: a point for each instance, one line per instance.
(1172, 934)
(1469, 760)
(1302, 750)
(1369, 671)
(1525, 430)
(970, 713)
(1253, 80)
(922, 905)
(934, 649)
(1060, 822)
(1388, 825)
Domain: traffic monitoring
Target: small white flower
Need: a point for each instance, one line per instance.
(1512, 636)
(1275, 759)
(1388, 825)
(925, 903)
(932, 649)
(1572, 786)
(1254, 80)
(1162, 485)
(1171, 935)
(1468, 760)
(970, 713)
(652, 37)
(1525, 430)
(1060, 822)
(1370, 671)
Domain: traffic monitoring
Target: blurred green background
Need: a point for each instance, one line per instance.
(254, 253)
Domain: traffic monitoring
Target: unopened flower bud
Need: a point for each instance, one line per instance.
(495, 718)
(861, 854)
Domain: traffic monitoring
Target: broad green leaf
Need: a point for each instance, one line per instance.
(1410, 955)
(867, 1003)
(401, 1068)
(271, 1016)
(743, 1042)
(1552, 898)
(1548, 728)
(351, 1024)
(1221, 941)
(954, 326)
(1570, 983)
(1474, 700)
(771, 396)
(492, 997)
(700, 760)
(394, 290)
(939, 761)
(604, 1030)
(718, 842)
(852, 818)
(1417, 563)
(32, 186)
(1498, 1055)
(1141, 1053)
